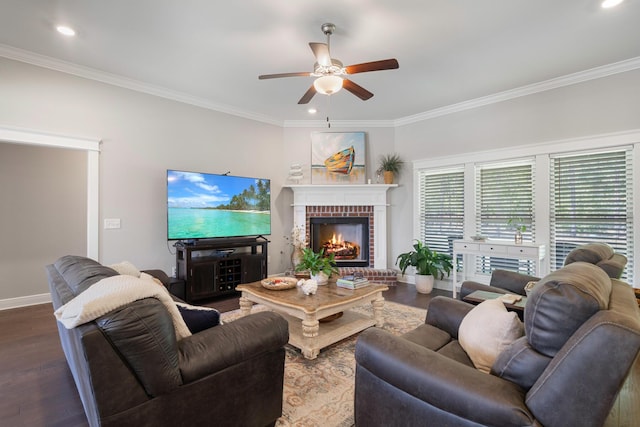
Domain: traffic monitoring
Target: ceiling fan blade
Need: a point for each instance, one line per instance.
(356, 89)
(308, 95)
(385, 64)
(277, 76)
(321, 52)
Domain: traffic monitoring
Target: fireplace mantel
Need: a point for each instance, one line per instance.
(347, 195)
(340, 195)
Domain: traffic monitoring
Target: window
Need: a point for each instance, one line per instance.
(441, 208)
(504, 191)
(567, 193)
(591, 201)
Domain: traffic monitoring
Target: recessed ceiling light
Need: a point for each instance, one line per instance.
(312, 111)
(67, 31)
(610, 3)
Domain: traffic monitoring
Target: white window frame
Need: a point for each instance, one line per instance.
(542, 153)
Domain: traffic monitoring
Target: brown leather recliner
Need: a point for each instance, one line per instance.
(599, 254)
(557, 375)
(130, 370)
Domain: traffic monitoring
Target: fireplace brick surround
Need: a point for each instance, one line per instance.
(350, 200)
(341, 212)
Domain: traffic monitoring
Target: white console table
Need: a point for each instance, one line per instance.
(497, 248)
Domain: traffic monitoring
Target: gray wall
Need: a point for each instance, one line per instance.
(379, 141)
(602, 106)
(144, 135)
(43, 213)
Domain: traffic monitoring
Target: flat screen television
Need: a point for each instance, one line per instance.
(208, 206)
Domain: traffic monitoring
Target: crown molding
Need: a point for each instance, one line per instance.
(124, 82)
(570, 79)
(116, 80)
(338, 123)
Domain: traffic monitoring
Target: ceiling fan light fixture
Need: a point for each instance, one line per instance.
(328, 85)
(606, 4)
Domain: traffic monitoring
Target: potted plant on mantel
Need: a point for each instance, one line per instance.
(390, 165)
(428, 264)
(319, 266)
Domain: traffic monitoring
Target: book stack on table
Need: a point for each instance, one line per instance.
(352, 282)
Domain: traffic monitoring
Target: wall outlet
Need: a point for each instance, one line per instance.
(173, 272)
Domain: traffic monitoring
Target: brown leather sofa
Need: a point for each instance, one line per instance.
(507, 282)
(131, 371)
(582, 336)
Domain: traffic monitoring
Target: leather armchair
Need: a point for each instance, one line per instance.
(130, 370)
(599, 254)
(556, 375)
(502, 282)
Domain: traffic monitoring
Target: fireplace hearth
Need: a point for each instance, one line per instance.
(346, 237)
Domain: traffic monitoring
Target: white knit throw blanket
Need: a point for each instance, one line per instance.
(114, 292)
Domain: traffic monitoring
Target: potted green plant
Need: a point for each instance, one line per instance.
(428, 264)
(390, 165)
(320, 267)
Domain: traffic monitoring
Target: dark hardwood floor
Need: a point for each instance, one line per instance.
(37, 389)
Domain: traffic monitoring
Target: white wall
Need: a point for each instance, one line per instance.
(142, 136)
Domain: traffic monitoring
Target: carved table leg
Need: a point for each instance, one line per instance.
(310, 329)
(245, 306)
(378, 305)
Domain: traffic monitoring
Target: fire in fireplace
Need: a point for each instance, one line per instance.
(346, 237)
(342, 249)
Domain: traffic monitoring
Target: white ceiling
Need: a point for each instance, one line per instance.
(210, 53)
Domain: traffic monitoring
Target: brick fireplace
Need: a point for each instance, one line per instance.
(366, 200)
(345, 231)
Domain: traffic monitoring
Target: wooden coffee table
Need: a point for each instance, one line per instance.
(304, 312)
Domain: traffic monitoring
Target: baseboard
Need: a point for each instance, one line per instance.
(445, 285)
(6, 304)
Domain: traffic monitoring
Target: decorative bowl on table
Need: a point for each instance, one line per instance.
(479, 238)
(279, 283)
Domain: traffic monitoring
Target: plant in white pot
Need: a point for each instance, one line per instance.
(318, 265)
(428, 264)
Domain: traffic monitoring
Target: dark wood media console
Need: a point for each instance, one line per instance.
(214, 268)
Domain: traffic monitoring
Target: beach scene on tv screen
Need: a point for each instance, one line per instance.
(203, 205)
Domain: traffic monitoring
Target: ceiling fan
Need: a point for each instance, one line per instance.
(330, 72)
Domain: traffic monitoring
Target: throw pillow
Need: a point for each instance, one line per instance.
(486, 331)
(125, 268)
(198, 318)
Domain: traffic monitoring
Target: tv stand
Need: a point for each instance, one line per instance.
(214, 268)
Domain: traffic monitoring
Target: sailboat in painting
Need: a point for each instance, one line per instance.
(342, 161)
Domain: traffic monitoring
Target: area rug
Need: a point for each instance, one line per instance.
(319, 392)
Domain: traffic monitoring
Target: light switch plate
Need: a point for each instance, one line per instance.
(111, 223)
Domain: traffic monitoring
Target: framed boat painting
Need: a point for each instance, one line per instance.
(338, 158)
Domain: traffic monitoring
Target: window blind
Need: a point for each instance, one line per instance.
(591, 201)
(504, 191)
(441, 208)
